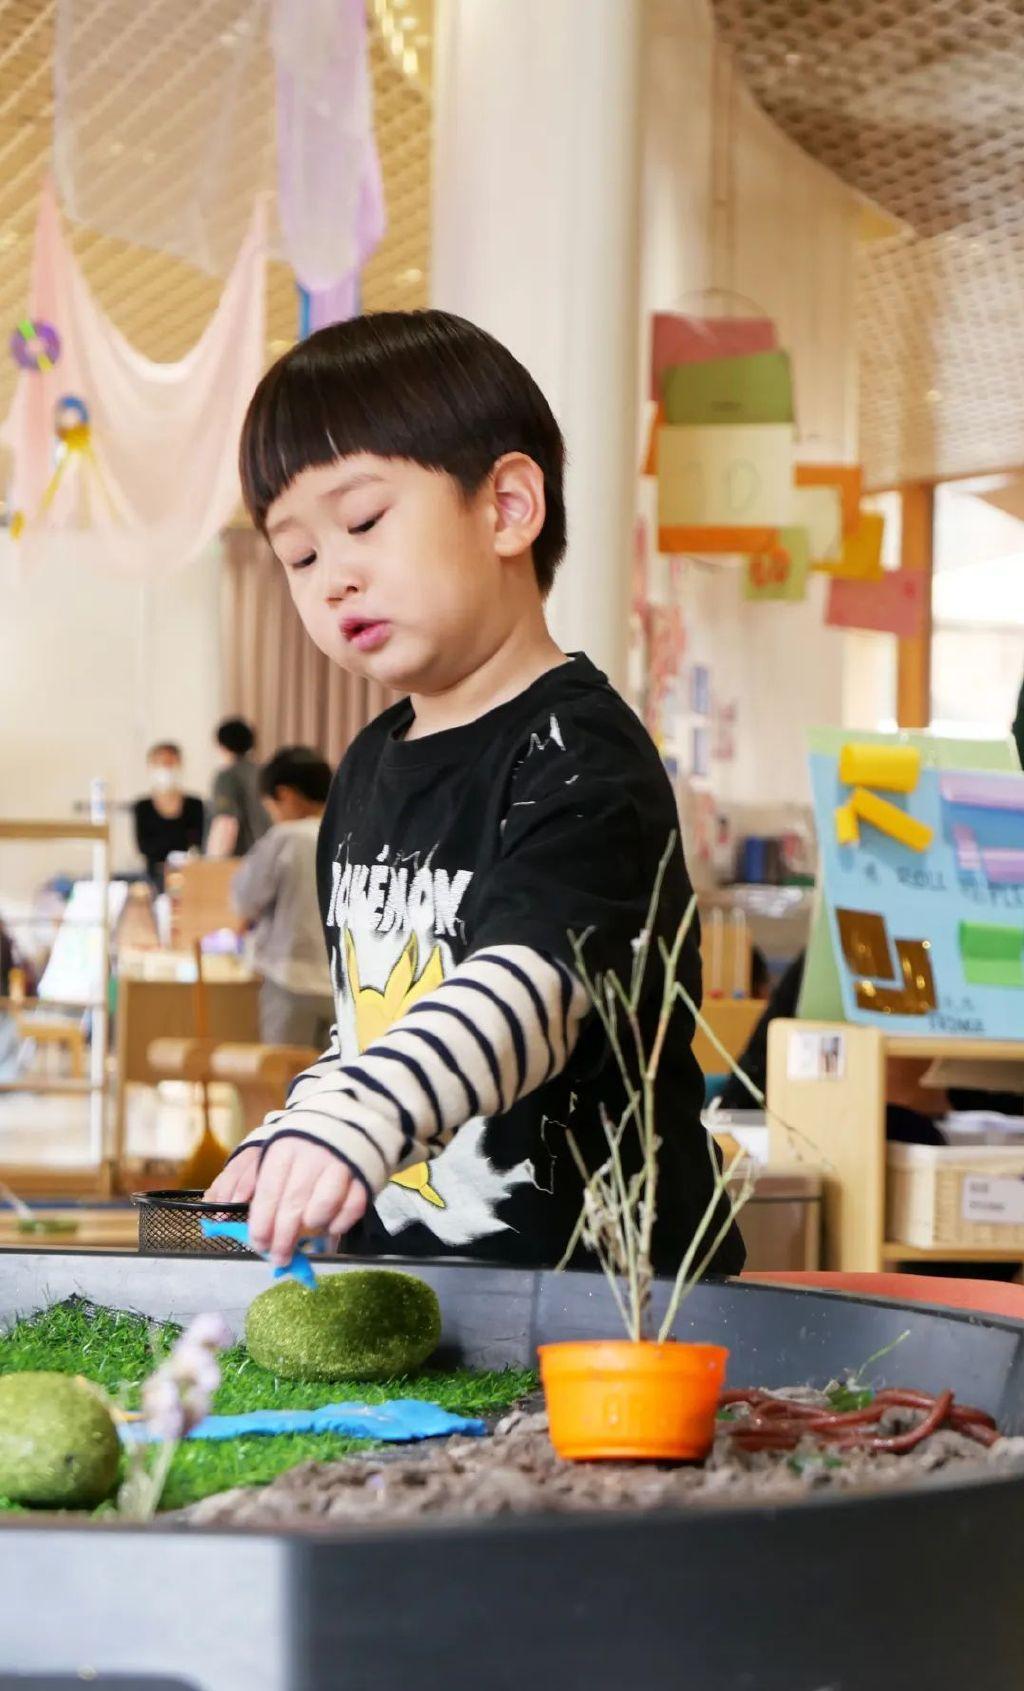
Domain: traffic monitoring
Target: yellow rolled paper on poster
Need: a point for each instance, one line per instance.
(896, 769)
(890, 819)
(847, 829)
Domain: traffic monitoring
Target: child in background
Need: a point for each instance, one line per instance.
(408, 473)
(274, 892)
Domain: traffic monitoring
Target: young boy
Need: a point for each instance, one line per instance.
(274, 892)
(408, 473)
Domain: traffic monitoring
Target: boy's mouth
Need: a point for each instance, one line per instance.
(366, 634)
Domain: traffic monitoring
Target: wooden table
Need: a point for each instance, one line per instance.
(149, 1010)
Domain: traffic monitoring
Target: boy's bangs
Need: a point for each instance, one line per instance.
(290, 428)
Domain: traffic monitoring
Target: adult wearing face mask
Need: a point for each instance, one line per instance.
(168, 819)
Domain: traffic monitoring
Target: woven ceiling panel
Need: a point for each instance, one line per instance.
(918, 104)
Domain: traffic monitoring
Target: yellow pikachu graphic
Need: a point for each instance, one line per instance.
(377, 1011)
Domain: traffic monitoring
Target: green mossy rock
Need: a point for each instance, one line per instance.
(59, 1447)
(366, 1324)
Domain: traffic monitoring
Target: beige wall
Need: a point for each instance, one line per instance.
(94, 666)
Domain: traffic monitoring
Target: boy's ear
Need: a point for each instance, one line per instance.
(518, 485)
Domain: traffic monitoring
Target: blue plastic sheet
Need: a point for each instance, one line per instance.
(400, 1421)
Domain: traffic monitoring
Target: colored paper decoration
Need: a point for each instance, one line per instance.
(74, 454)
(779, 572)
(907, 989)
(887, 818)
(737, 480)
(985, 815)
(820, 511)
(892, 603)
(896, 769)
(847, 478)
(757, 388)
(35, 345)
(678, 339)
(992, 954)
(861, 558)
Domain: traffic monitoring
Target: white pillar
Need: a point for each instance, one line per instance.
(535, 239)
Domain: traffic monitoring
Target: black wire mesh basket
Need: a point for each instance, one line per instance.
(169, 1224)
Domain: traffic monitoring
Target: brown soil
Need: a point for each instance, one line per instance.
(516, 1471)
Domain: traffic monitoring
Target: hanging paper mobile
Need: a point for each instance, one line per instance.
(35, 345)
(74, 446)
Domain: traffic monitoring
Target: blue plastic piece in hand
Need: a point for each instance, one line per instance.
(400, 1421)
(300, 1267)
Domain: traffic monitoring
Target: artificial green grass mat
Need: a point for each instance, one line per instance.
(119, 1350)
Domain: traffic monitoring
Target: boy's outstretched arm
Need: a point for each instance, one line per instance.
(504, 1022)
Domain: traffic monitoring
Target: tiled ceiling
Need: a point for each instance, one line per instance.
(161, 303)
(919, 105)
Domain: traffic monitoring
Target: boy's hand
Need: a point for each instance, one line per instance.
(300, 1188)
(236, 1182)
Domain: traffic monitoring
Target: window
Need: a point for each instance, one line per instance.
(977, 609)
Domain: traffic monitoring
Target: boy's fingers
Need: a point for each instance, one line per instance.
(287, 1229)
(235, 1183)
(273, 1177)
(352, 1210)
(326, 1198)
(289, 1211)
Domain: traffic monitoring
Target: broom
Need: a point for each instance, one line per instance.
(207, 1159)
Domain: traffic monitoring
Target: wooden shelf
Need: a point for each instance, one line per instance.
(94, 1230)
(893, 1251)
(64, 1088)
(54, 831)
(52, 1006)
(970, 1050)
(838, 1111)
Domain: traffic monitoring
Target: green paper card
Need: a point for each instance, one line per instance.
(992, 955)
(757, 388)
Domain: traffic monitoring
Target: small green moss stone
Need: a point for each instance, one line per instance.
(364, 1324)
(59, 1447)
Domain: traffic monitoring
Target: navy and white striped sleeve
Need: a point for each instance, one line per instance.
(504, 1022)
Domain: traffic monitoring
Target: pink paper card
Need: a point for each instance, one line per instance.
(894, 604)
(693, 340)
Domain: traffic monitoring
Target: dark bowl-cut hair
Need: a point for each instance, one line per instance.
(423, 386)
(236, 736)
(298, 767)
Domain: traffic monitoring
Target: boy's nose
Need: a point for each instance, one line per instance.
(341, 584)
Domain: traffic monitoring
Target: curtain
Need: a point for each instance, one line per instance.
(154, 475)
(273, 674)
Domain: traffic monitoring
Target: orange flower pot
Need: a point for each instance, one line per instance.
(616, 1400)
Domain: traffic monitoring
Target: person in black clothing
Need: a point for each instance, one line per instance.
(168, 819)
(408, 473)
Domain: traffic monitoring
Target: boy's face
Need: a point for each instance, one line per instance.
(395, 574)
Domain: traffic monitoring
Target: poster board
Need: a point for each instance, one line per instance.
(922, 930)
